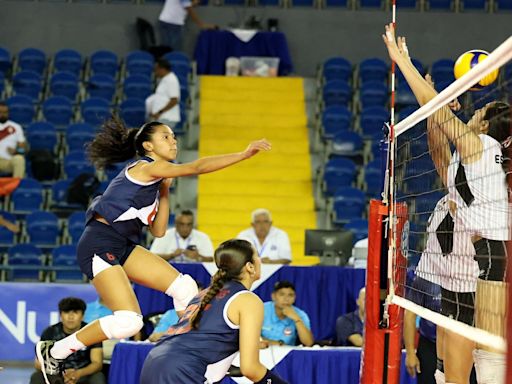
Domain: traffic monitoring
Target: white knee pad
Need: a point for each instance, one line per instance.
(489, 366)
(122, 324)
(439, 376)
(182, 290)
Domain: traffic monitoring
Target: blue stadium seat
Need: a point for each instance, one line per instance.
(338, 172)
(32, 59)
(101, 85)
(442, 71)
(58, 110)
(474, 5)
(43, 228)
(348, 204)
(439, 86)
(27, 197)
(406, 3)
(404, 95)
(337, 92)
(104, 62)
(419, 177)
(133, 112)
(482, 97)
(59, 197)
(404, 112)
(373, 178)
(64, 84)
(5, 61)
(21, 109)
(140, 63)
(64, 257)
(372, 121)
(335, 119)
(27, 83)
(347, 144)
(78, 134)
(440, 4)
(504, 5)
(137, 86)
(113, 170)
(337, 68)
(359, 229)
(184, 95)
(376, 150)
(373, 69)
(371, 3)
(373, 93)
(182, 71)
(177, 57)
(76, 163)
(68, 60)
(42, 135)
(181, 127)
(29, 258)
(95, 111)
(76, 225)
(272, 3)
(7, 238)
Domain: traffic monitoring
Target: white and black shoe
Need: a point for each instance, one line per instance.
(50, 366)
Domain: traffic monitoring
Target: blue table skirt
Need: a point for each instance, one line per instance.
(328, 366)
(214, 47)
(323, 292)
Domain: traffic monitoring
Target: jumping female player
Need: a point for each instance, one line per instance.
(108, 251)
(478, 194)
(220, 321)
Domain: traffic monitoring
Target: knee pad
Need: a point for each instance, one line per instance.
(182, 290)
(489, 366)
(439, 376)
(122, 324)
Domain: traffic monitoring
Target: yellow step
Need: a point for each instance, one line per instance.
(252, 173)
(257, 120)
(250, 96)
(225, 232)
(261, 85)
(219, 107)
(249, 203)
(280, 218)
(295, 147)
(270, 160)
(284, 188)
(271, 134)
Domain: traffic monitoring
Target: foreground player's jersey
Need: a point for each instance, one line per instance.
(213, 345)
(128, 204)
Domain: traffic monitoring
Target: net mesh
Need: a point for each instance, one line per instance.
(453, 181)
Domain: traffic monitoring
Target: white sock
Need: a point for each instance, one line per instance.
(490, 367)
(66, 346)
(439, 376)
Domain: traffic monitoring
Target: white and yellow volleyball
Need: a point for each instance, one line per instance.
(468, 60)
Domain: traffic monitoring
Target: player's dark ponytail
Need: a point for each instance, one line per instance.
(499, 116)
(115, 143)
(230, 257)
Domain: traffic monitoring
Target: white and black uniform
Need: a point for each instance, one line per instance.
(480, 192)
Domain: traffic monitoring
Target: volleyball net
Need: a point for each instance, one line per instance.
(450, 185)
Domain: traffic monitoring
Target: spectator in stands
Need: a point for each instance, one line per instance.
(172, 20)
(82, 366)
(164, 104)
(183, 243)
(271, 243)
(12, 145)
(349, 327)
(284, 323)
(13, 227)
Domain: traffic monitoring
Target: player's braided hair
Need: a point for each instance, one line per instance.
(115, 143)
(231, 257)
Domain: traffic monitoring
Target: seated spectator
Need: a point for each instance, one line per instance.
(164, 104)
(349, 327)
(283, 322)
(83, 366)
(13, 227)
(12, 145)
(183, 243)
(271, 243)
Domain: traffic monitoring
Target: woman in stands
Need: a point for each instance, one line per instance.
(108, 250)
(220, 321)
(478, 193)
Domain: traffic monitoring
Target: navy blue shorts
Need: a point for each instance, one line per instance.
(101, 240)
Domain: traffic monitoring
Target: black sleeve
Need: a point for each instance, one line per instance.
(48, 334)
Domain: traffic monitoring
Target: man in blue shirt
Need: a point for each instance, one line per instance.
(349, 327)
(283, 323)
(96, 310)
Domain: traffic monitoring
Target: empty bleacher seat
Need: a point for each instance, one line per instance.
(336, 3)
(113, 170)
(21, 109)
(133, 112)
(348, 204)
(28, 258)
(43, 228)
(474, 5)
(65, 265)
(347, 144)
(137, 86)
(139, 63)
(68, 60)
(27, 83)
(359, 229)
(406, 3)
(27, 197)
(337, 68)
(32, 59)
(59, 197)
(42, 135)
(5, 61)
(370, 3)
(58, 110)
(481, 97)
(419, 177)
(504, 5)
(177, 57)
(76, 163)
(404, 112)
(373, 93)
(442, 71)
(76, 225)
(440, 4)
(64, 84)
(373, 69)
(404, 95)
(373, 178)
(335, 119)
(336, 92)
(104, 62)
(7, 237)
(95, 110)
(338, 172)
(101, 85)
(372, 121)
(78, 134)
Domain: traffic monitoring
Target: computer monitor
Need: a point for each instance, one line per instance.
(334, 247)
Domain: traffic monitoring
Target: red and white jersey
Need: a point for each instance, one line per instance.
(11, 134)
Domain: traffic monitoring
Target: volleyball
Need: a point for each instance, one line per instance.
(468, 60)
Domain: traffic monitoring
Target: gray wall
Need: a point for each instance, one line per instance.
(313, 35)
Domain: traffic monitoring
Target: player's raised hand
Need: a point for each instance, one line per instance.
(257, 146)
(397, 48)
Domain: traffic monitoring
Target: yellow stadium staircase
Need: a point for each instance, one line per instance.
(233, 112)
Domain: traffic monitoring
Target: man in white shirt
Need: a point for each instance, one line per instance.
(164, 104)
(183, 243)
(271, 243)
(172, 19)
(12, 145)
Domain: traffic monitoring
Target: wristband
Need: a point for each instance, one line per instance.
(271, 378)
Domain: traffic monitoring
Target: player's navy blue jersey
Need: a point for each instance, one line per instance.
(128, 205)
(201, 355)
